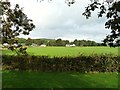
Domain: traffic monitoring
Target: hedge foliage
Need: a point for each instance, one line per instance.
(97, 63)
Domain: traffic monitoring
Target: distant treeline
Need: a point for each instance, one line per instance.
(58, 42)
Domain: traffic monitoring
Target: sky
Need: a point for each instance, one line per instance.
(56, 19)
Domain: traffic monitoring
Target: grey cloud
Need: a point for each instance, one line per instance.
(68, 22)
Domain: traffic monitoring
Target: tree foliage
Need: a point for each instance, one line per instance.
(57, 42)
(112, 13)
(68, 2)
(13, 23)
(111, 10)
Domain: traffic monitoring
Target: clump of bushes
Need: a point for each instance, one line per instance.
(96, 63)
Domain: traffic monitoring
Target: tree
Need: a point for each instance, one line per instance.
(21, 41)
(59, 42)
(13, 23)
(112, 12)
(76, 42)
(51, 43)
(29, 42)
(66, 42)
(68, 2)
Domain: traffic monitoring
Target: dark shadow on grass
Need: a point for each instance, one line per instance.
(23, 79)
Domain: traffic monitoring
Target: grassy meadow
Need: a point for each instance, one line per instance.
(32, 79)
(22, 79)
(67, 51)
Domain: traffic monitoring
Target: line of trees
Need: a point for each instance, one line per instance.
(15, 22)
(58, 42)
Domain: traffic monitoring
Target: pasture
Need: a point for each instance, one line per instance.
(36, 79)
(22, 79)
(67, 51)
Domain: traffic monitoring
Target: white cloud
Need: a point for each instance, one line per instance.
(57, 20)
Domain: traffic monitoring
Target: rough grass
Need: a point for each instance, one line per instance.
(68, 51)
(17, 79)
(25, 79)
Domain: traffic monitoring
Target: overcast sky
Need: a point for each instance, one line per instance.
(56, 19)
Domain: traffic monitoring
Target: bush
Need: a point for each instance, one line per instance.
(103, 63)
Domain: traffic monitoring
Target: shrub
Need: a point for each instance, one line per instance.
(96, 63)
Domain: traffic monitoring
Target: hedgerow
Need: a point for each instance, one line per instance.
(95, 63)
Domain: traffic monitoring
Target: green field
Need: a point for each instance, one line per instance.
(68, 51)
(17, 79)
(27, 79)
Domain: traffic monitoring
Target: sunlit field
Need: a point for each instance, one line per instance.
(39, 79)
(67, 51)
